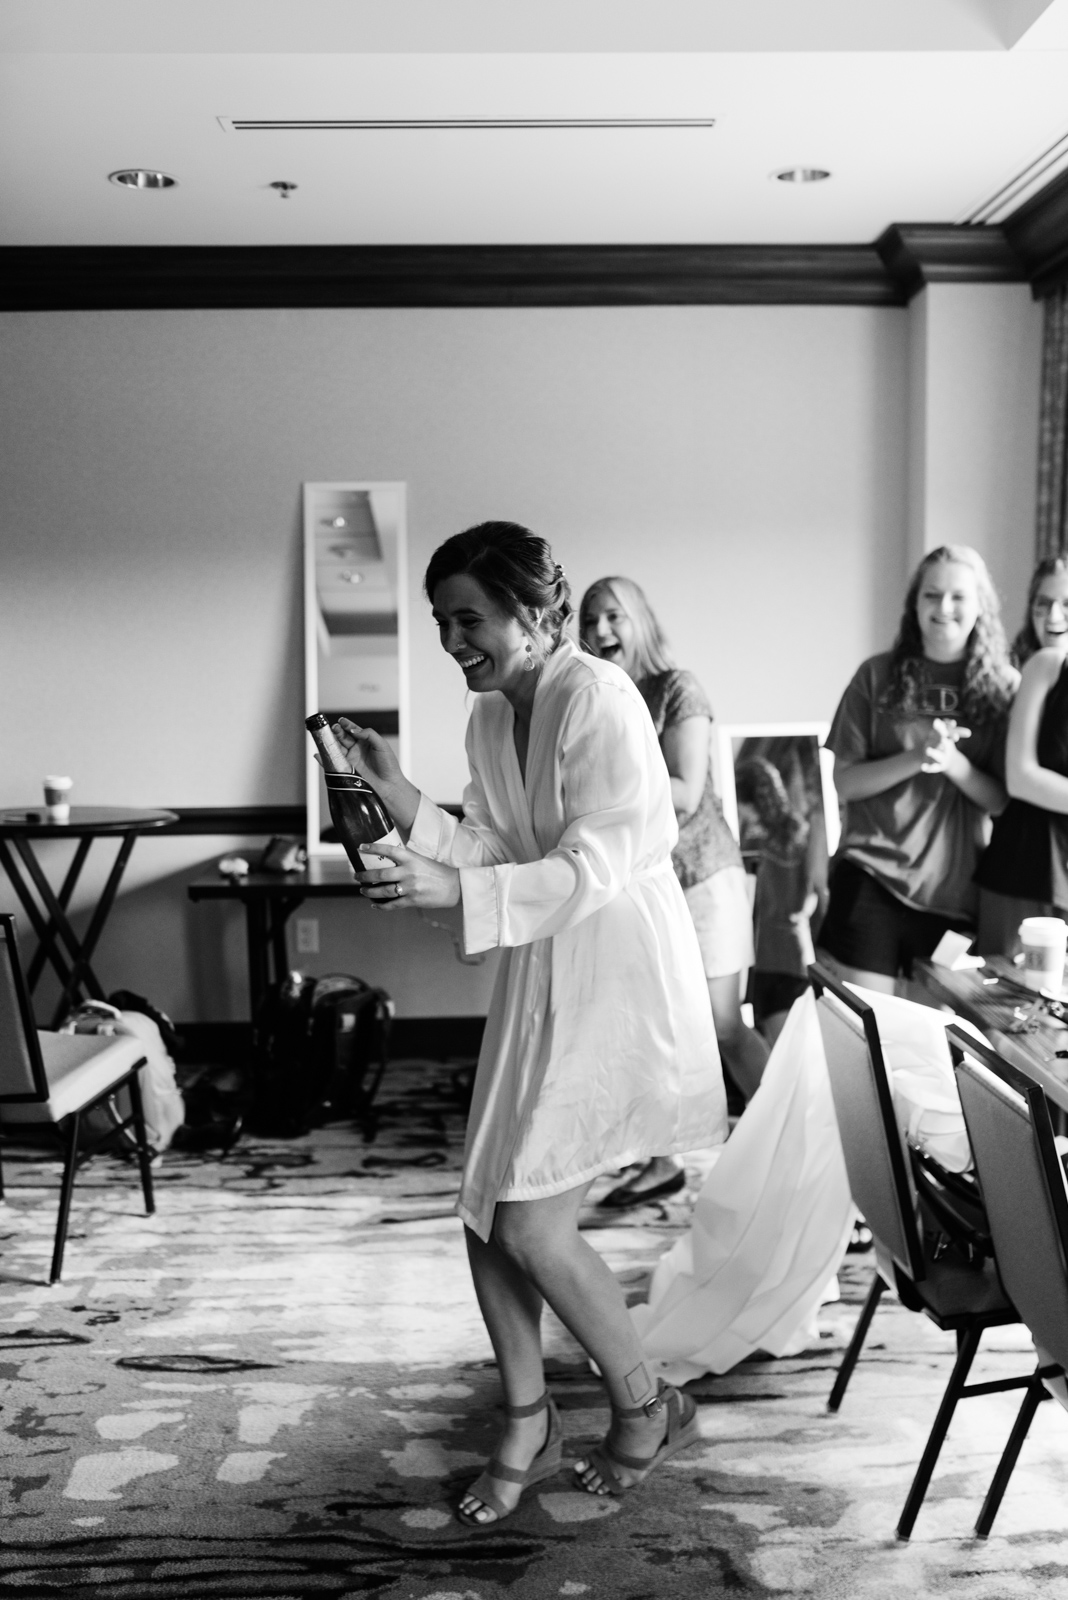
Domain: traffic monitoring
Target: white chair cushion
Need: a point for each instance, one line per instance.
(79, 1067)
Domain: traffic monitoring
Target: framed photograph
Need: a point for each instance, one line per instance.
(355, 622)
(806, 770)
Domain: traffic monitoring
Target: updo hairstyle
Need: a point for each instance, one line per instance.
(514, 566)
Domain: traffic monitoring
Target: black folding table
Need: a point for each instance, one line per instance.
(58, 944)
(269, 900)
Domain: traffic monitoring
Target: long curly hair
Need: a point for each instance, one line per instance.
(758, 783)
(1027, 641)
(989, 677)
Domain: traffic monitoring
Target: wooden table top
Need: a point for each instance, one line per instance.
(32, 822)
(993, 998)
(324, 877)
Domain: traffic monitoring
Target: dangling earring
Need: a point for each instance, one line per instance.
(528, 664)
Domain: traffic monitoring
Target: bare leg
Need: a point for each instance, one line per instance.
(772, 1025)
(541, 1237)
(743, 1049)
(881, 982)
(511, 1308)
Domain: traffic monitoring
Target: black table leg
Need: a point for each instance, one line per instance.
(57, 918)
(95, 929)
(259, 976)
(45, 932)
(72, 967)
(40, 955)
(268, 958)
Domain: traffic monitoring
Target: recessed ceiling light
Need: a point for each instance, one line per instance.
(801, 175)
(140, 178)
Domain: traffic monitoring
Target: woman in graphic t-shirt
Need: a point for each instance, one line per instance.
(918, 741)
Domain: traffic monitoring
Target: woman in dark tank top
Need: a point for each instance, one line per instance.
(1024, 871)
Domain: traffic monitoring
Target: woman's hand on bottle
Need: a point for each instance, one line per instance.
(371, 755)
(412, 880)
(375, 760)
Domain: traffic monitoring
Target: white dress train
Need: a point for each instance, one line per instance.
(770, 1226)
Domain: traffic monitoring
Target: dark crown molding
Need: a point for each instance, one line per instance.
(918, 253)
(1031, 246)
(1038, 232)
(105, 278)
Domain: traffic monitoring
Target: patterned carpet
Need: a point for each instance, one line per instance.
(275, 1386)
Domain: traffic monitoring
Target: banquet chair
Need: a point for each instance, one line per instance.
(1023, 1185)
(959, 1297)
(48, 1080)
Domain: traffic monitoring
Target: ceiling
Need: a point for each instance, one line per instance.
(922, 110)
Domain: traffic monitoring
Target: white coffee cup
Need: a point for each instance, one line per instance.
(1044, 940)
(57, 798)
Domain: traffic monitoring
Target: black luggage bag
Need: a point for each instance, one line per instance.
(321, 1046)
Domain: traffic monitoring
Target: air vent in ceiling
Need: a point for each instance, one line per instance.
(1042, 170)
(466, 124)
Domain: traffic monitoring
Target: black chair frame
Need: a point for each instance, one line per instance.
(76, 1152)
(911, 1278)
(1042, 1128)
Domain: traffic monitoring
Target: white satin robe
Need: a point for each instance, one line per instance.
(599, 1047)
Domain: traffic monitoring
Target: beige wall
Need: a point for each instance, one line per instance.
(747, 465)
(975, 353)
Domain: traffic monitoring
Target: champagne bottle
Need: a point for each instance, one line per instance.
(357, 813)
(333, 757)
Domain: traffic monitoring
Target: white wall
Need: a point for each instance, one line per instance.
(975, 353)
(747, 465)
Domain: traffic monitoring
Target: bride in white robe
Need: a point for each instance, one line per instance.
(599, 1047)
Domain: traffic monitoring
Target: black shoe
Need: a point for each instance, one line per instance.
(626, 1195)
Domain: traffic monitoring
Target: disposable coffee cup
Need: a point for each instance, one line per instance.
(57, 798)
(1044, 940)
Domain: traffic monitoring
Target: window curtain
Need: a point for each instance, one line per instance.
(1051, 530)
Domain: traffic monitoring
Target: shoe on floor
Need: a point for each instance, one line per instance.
(627, 1195)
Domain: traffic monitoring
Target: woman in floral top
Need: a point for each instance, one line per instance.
(618, 624)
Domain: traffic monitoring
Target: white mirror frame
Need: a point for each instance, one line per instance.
(723, 757)
(313, 625)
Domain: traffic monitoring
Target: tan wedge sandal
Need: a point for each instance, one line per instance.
(546, 1463)
(682, 1430)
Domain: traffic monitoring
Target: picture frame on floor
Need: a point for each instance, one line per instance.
(796, 750)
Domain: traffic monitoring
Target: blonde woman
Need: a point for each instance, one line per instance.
(618, 624)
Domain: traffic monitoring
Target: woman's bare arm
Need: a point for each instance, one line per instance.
(859, 780)
(1026, 779)
(686, 745)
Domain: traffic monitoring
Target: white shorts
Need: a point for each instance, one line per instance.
(723, 918)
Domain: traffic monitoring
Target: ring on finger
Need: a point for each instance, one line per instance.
(398, 890)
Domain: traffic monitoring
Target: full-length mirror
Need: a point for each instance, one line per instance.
(355, 622)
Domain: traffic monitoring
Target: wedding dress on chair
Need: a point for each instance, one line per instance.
(771, 1224)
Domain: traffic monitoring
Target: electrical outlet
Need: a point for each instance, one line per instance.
(308, 936)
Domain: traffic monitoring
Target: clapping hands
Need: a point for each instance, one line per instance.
(942, 755)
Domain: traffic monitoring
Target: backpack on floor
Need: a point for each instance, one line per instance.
(161, 1097)
(321, 1046)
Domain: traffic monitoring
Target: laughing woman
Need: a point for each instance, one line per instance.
(618, 624)
(599, 1040)
(918, 742)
